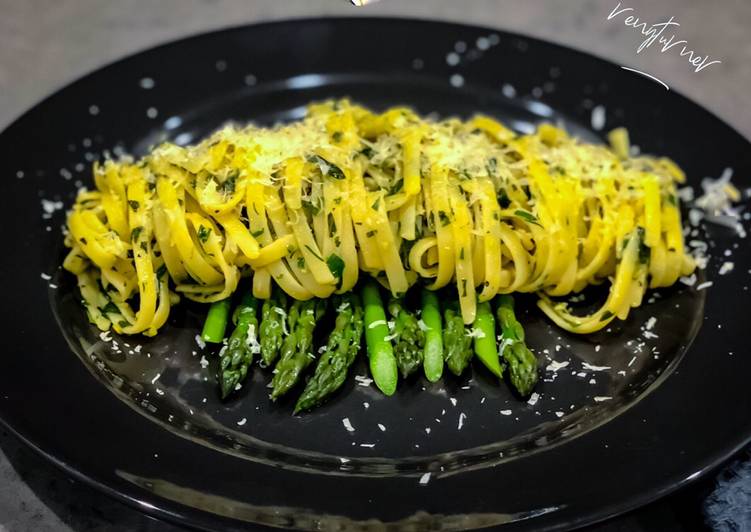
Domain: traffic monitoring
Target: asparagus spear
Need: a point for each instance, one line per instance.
(456, 342)
(273, 327)
(521, 361)
(341, 350)
(433, 353)
(237, 356)
(380, 352)
(216, 321)
(407, 338)
(297, 351)
(485, 346)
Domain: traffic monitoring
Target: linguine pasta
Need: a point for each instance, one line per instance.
(310, 205)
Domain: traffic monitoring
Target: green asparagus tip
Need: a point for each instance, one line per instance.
(216, 321)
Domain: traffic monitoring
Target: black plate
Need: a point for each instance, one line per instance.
(147, 427)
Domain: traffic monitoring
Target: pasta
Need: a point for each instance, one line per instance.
(310, 205)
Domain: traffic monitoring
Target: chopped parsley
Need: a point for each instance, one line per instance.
(396, 187)
(444, 218)
(336, 267)
(228, 186)
(310, 208)
(110, 308)
(327, 168)
(203, 233)
(527, 217)
(136, 233)
(491, 167)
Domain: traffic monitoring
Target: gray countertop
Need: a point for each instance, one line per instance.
(45, 44)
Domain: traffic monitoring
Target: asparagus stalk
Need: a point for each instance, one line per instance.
(216, 321)
(237, 356)
(273, 327)
(407, 338)
(341, 349)
(380, 351)
(521, 361)
(485, 346)
(433, 352)
(456, 342)
(297, 351)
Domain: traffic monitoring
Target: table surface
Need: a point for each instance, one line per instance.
(45, 44)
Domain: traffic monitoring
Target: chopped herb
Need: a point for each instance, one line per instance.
(336, 136)
(371, 233)
(136, 233)
(397, 186)
(310, 208)
(672, 200)
(227, 187)
(161, 271)
(326, 167)
(144, 246)
(123, 323)
(110, 308)
(444, 218)
(336, 267)
(376, 204)
(527, 217)
(203, 233)
(134, 204)
(301, 263)
(367, 151)
(491, 167)
(644, 251)
(257, 233)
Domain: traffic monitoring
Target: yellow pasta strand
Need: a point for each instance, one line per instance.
(310, 204)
